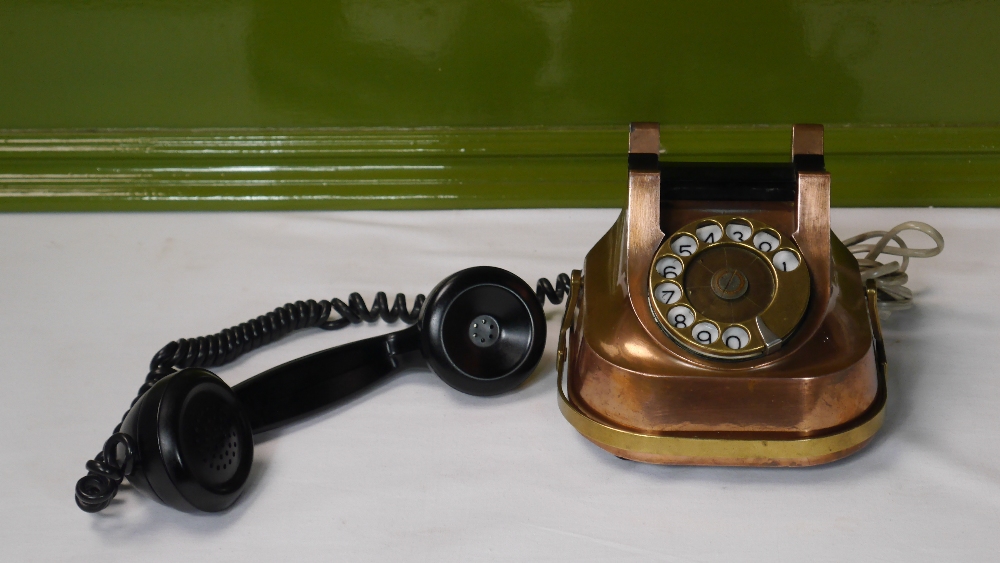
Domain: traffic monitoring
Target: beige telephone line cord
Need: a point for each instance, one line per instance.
(890, 277)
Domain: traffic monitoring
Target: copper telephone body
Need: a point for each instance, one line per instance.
(646, 390)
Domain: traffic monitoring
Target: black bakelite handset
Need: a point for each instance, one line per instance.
(188, 439)
(442, 339)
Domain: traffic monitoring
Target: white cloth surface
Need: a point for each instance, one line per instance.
(415, 471)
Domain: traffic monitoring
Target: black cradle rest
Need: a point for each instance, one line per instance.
(187, 439)
(726, 181)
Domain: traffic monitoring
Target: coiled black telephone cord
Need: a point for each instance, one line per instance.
(106, 471)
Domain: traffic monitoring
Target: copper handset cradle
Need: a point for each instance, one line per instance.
(720, 322)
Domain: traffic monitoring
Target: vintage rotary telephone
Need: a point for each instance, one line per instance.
(720, 322)
(187, 438)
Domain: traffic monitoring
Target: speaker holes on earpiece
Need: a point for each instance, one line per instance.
(484, 331)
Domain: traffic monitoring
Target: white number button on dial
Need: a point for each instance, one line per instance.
(785, 260)
(709, 233)
(705, 333)
(680, 317)
(765, 242)
(668, 293)
(684, 245)
(738, 232)
(669, 267)
(735, 337)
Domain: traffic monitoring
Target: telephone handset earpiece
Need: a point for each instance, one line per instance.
(481, 330)
(188, 439)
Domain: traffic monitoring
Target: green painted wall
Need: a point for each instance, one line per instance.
(69, 69)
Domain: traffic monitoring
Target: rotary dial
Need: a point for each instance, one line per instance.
(729, 287)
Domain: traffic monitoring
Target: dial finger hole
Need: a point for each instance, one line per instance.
(684, 245)
(738, 231)
(668, 293)
(765, 241)
(669, 267)
(785, 260)
(709, 233)
(705, 333)
(735, 337)
(680, 317)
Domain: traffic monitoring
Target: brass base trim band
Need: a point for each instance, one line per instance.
(709, 451)
(681, 450)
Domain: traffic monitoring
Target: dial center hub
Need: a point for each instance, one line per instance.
(484, 331)
(729, 284)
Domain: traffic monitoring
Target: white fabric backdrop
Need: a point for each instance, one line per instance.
(415, 471)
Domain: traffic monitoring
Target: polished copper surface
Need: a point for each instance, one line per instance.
(625, 371)
(812, 235)
(644, 138)
(722, 448)
(807, 139)
(623, 375)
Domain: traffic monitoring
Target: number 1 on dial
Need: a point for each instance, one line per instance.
(785, 260)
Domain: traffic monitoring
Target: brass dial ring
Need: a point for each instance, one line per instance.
(728, 287)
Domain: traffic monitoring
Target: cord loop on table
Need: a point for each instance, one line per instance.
(890, 277)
